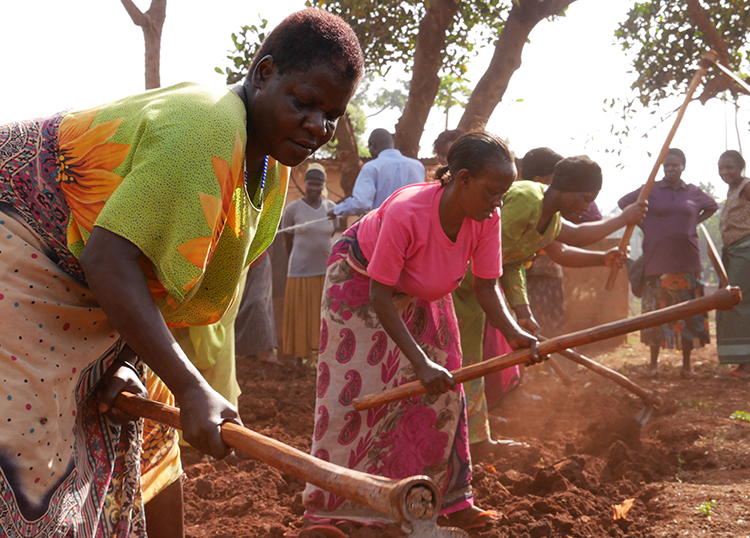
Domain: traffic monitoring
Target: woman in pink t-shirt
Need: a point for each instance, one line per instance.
(388, 318)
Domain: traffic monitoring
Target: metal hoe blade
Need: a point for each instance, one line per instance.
(644, 415)
(421, 509)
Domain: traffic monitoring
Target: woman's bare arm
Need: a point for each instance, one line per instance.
(581, 235)
(110, 263)
(491, 301)
(433, 376)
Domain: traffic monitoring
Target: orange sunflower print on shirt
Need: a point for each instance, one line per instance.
(87, 159)
(218, 212)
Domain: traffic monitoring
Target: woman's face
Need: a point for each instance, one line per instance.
(296, 112)
(313, 189)
(673, 168)
(484, 191)
(730, 171)
(574, 204)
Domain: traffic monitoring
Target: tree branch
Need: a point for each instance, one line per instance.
(135, 14)
(489, 91)
(721, 82)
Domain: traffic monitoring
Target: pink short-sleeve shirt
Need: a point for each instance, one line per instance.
(406, 247)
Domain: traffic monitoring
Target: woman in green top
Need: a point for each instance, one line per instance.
(117, 222)
(532, 220)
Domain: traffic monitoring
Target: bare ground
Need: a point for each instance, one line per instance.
(687, 470)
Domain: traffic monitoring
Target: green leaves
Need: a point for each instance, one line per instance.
(668, 43)
(246, 43)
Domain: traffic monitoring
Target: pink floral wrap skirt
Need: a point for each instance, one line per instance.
(424, 435)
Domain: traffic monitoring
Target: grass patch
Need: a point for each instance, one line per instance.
(740, 415)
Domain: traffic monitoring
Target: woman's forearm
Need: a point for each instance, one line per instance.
(381, 297)
(489, 298)
(434, 377)
(568, 256)
(110, 263)
(581, 235)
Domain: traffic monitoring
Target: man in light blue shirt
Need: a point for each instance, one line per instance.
(381, 177)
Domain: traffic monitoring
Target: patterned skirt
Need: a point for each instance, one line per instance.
(733, 326)
(66, 469)
(424, 435)
(661, 291)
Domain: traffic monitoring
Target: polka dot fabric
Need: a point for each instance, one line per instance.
(53, 332)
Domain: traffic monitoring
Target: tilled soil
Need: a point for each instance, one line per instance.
(686, 471)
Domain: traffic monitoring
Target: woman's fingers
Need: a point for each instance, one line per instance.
(202, 413)
(116, 380)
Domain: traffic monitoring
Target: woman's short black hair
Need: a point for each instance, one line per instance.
(736, 156)
(539, 162)
(577, 174)
(473, 152)
(309, 38)
(679, 154)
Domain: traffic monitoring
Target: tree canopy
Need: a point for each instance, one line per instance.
(669, 36)
(388, 29)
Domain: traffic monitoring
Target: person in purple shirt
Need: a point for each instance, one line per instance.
(672, 259)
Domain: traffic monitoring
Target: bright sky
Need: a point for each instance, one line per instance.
(78, 53)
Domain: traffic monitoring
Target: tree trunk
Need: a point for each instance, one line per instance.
(348, 155)
(428, 56)
(151, 23)
(489, 91)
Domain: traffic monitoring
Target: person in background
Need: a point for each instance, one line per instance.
(733, 326)
(116, 223)
(308, 246)
(388, 318)
(386, 173)
(672, 259)
(544, 277)
(443, 142)
(255, 328)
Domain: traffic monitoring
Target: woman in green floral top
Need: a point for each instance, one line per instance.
(115, 223)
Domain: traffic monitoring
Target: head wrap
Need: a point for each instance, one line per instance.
(316, 171)
(539, 162)
(577, 174)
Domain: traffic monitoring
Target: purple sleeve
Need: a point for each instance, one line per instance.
(629, 198)
(593, 214)
(706, 201)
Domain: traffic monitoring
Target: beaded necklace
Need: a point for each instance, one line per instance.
(262, 178)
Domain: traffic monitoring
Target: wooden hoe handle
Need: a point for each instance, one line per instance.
(648, 397)
(724, 299)
(407, 500)
(646, 190)
(715, 258)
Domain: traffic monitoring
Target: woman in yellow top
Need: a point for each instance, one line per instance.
(117, 222)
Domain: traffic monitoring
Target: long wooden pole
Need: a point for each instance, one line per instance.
(715, 258)
(705, 63)
(741, 83)
(723, 299)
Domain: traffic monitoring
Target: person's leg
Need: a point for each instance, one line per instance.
(687, 368)
(742, 370)
(654, 366)
(165, 516)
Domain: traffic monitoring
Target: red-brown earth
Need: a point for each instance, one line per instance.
(686, 470)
